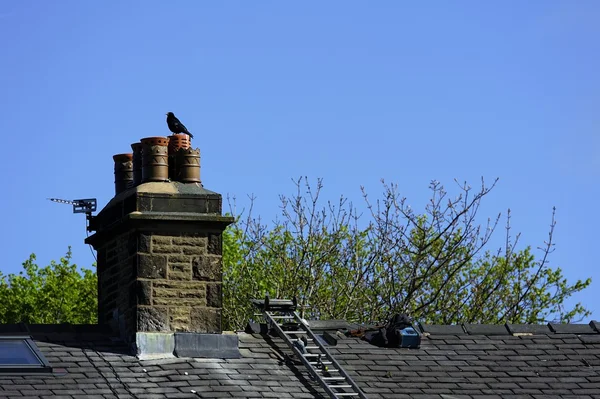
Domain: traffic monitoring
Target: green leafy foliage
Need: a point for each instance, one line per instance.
(432, 265)
(57, 293)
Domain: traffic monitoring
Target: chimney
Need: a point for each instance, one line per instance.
(159, 246)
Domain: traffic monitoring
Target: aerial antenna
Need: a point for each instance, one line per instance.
(86, 206)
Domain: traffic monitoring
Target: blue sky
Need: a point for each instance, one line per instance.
(348, 91)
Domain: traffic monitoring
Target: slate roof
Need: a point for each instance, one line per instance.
(453, 362)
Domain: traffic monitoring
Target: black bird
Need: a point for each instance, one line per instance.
(176, 126)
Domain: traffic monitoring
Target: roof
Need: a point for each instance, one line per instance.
(483, 361)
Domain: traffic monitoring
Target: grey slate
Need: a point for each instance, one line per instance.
(442, 329)
(333, 337)
(528, 328)
(485, 329)
(595, 325)
(322, 325)
(590, 339)
(572, 328)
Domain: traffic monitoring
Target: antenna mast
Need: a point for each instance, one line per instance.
(86, 206)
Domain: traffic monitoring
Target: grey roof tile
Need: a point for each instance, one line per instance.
(590, 339)
(572, 328)
(485, 329)
(523, 329)
(442, 329)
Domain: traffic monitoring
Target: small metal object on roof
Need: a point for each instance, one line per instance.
(221, 346)
(283, 305)
(19, 354)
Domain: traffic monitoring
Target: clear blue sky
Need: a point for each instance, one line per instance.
(348, 91)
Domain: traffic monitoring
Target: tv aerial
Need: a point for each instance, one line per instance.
(86, 206)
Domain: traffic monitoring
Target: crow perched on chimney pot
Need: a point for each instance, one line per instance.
(176, 126)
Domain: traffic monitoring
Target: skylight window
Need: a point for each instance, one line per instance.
(20, 354)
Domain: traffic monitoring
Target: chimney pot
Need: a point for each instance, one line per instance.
(188, 165)
(176, 142)
(155, 160)
(137, 163)
(123, 172)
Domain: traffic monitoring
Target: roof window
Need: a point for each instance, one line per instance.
(20, 354)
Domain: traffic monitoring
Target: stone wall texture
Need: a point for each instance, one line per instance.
(162, 283)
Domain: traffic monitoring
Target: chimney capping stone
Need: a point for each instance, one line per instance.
(176, 202)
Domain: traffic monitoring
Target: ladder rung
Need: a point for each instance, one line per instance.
(346, 394)
(311, 354)
(311, 347)
(295, 332)
(274, 317)
(325, 362)
(340, 386)
(334, 378)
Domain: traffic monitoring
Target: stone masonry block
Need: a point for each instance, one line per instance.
(214, 295)
(128, 269)
(144, 243)
(194, 250)
(180, 271)
(162, 240)
(199, 292)
(207, 268)
(132, 242)
(179, 318)
(190, 296)
(215, 244)
(165, 249)
(165, 293)
(205, 320)
(144, 292)
(180, 258)
(151, 266)
(101, 255)
(178, 285)
(191, 241)
(152, 319)
(179, 301)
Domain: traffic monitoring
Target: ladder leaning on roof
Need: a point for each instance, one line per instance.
(315, 357)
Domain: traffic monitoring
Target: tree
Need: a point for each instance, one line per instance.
(432, 265)
(57, 293)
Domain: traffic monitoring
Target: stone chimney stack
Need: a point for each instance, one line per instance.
(159, 245)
